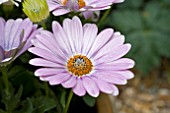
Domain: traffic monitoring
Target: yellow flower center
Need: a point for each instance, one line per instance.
(64, 2)
(81, 3)
(79, 65)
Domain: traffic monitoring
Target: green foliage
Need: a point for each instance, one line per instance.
(63, 98)
(15, 101)
(39, 104)
(131, 4)
(90, 101)
(12, 100)
(146, 26)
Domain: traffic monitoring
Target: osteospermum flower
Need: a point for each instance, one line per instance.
(60, 7)
(15, 36)
(36, 10)
(10, 2)
(76, 57)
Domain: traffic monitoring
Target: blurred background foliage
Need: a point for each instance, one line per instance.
(145, 24)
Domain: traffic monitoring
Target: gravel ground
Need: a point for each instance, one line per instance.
(143, 95)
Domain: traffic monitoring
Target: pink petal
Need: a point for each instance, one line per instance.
(118, 1)
(126, 73)
(58, 79)
(2, 26)
(38, 44)
(79, 89)
(49, 71)
(102, 39)
(100, 3)
(52, 4)
(111, 77)
(77, 33)
(67, 27)
(45, 63)
(8, 27)
(48, 40)
(74, 31)
(60, 11)
(28, 43)
(99, 8)
(61, 39)
(90, 86)
(120, 51)
(116, 41)
(28, 28)
(90, 34)
(103, 85)
(45, 54)
(70, 83)
(88, 14)
(14, 31)
(114, 54)
(120, 64)
(115, 90)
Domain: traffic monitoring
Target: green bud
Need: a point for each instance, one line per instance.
(36, 10)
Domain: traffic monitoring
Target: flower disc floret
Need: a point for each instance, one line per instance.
(79, 65)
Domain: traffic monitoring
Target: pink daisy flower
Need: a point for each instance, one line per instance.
(15, 36)
(60, 7)
(77, 57)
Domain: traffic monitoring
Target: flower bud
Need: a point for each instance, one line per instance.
(36, 10)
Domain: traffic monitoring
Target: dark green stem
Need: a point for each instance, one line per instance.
(104, 17)
(5, 78)
(46, 89)
(68, 101)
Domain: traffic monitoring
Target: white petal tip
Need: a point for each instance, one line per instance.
(115, 93)
(36, 73)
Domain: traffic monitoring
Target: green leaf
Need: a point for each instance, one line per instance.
(161, 43)
(155, 12)
(63, 98)
(25, 78)
(126, 20)
(167, 2)
(90, 101)
(37, 105)
(25, 57)
(131, 4)
(27, 107)
(1, 111)
(42, 104)
(15, 70)
(11, 101)
(147, 49)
